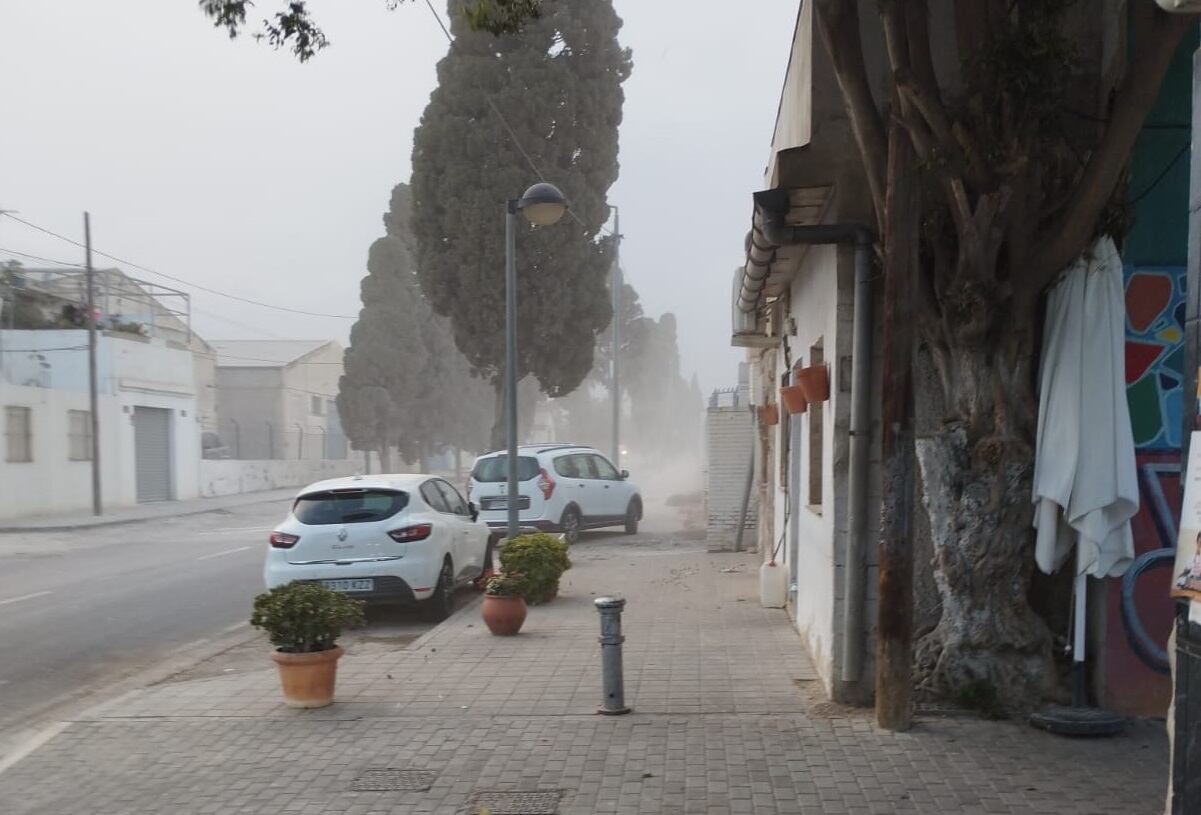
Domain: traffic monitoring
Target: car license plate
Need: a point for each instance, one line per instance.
(349, 585)
(523, 502)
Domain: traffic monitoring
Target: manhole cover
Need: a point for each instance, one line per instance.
(515, 802)
(386, 779)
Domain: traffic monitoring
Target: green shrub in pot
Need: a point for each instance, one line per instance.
(540, 559)
(303, 618)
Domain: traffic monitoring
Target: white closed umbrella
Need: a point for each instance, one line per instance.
(1085, 480)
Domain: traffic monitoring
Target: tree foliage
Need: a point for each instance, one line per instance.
(294, 27)
(406, 387)
(559, 86)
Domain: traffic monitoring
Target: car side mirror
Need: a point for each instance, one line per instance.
(625, 474)
(473, 511)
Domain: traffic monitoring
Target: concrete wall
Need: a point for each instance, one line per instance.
(314, 375)
(251, 400)
(728, 435)
(230, 477)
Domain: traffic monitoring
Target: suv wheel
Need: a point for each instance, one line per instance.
(633, 515)
(570, 525)
(441, 603)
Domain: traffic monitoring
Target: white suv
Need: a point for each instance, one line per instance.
(562, 488)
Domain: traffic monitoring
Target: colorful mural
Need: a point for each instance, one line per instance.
(1155, 309)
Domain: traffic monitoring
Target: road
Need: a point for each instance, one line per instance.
(82, 610)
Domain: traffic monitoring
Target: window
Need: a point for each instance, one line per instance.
(18, 434)
(815, 412)
(604, 470)
(496, 469)
(316, 406)
(433, 496)
(567, 466)
(349, 506)
(79, 435)
(453, 500)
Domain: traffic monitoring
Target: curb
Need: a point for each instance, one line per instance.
(420, 642)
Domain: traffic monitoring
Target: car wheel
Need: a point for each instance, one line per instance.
(441, 603)
(571, 525)
(633, 515)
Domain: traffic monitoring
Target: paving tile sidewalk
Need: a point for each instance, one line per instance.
(720, 724)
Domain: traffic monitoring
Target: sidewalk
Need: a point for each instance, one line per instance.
(723, 722)
(143, 512)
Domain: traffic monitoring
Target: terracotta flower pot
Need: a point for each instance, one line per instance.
(504, 616)
(815, 382)
(794, 399)
(308, 679)
(769, 415)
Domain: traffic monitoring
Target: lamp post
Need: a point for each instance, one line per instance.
(543, 205)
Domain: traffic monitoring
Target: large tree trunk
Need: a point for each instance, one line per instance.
(989, 646)
(385, 458)
(497, 438)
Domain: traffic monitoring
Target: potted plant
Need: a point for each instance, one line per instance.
(504, 606)
(303, 622)
(815, 382)
(769, 415)
(793, 399)
(540, 558)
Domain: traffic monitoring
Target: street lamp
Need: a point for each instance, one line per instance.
(543, 205)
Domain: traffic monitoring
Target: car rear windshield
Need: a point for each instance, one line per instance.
(350, 506)
(496, 469)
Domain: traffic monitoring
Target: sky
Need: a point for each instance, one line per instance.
(234, 167)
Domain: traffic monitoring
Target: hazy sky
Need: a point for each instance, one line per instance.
(232, 166)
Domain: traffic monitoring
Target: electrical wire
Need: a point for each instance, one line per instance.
(42, 350)
(40, 258)
(1184, 148)
(180, 280)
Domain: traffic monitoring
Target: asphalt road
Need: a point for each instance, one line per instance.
(82, 610)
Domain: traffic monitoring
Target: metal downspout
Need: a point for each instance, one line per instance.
(861, 379)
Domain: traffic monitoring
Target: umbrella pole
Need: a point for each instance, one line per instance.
(1080, 599)
(1079, 719)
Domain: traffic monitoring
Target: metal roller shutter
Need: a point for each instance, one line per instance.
(152, 452)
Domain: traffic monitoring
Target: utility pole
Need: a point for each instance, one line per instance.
(93, 413)
(616, 286)
(894, 624)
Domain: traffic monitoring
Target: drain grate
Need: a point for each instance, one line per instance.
(388, 779)
(515, 802)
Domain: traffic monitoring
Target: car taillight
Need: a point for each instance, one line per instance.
(546, 484)
(282, 540)
(411, 533)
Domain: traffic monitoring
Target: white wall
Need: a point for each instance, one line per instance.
(230, 477)
(728, 434)
(132, 372)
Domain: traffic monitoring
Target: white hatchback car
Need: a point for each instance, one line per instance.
(408, 539)
(562, 488)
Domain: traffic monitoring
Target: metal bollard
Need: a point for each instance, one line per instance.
(611, 640)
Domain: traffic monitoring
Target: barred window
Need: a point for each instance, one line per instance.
(79, 435)
(18, 434)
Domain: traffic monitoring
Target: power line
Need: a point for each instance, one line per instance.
(42, 350)
(181, 280)
(40, 258)
(505, 122)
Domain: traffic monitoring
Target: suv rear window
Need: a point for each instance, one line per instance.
(496, 469)
(351, 506)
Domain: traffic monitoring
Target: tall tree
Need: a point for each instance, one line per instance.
(1021, 148)
(559, 87)
(405, 384)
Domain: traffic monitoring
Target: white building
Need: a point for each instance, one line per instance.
(149, 431)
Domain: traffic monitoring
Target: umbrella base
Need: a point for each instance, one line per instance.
(1077, 721)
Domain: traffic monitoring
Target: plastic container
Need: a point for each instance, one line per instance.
(773, 585)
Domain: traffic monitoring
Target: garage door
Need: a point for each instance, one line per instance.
(152, 451)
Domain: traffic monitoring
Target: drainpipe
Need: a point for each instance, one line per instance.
(771, 230)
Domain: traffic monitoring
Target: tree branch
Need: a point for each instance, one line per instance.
(839, 25)
(1157, 35)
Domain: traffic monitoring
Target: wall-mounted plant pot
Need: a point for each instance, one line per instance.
(815, 382)
(793, 399)
(769, 415)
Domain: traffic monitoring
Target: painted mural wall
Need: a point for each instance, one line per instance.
(1155, 355)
